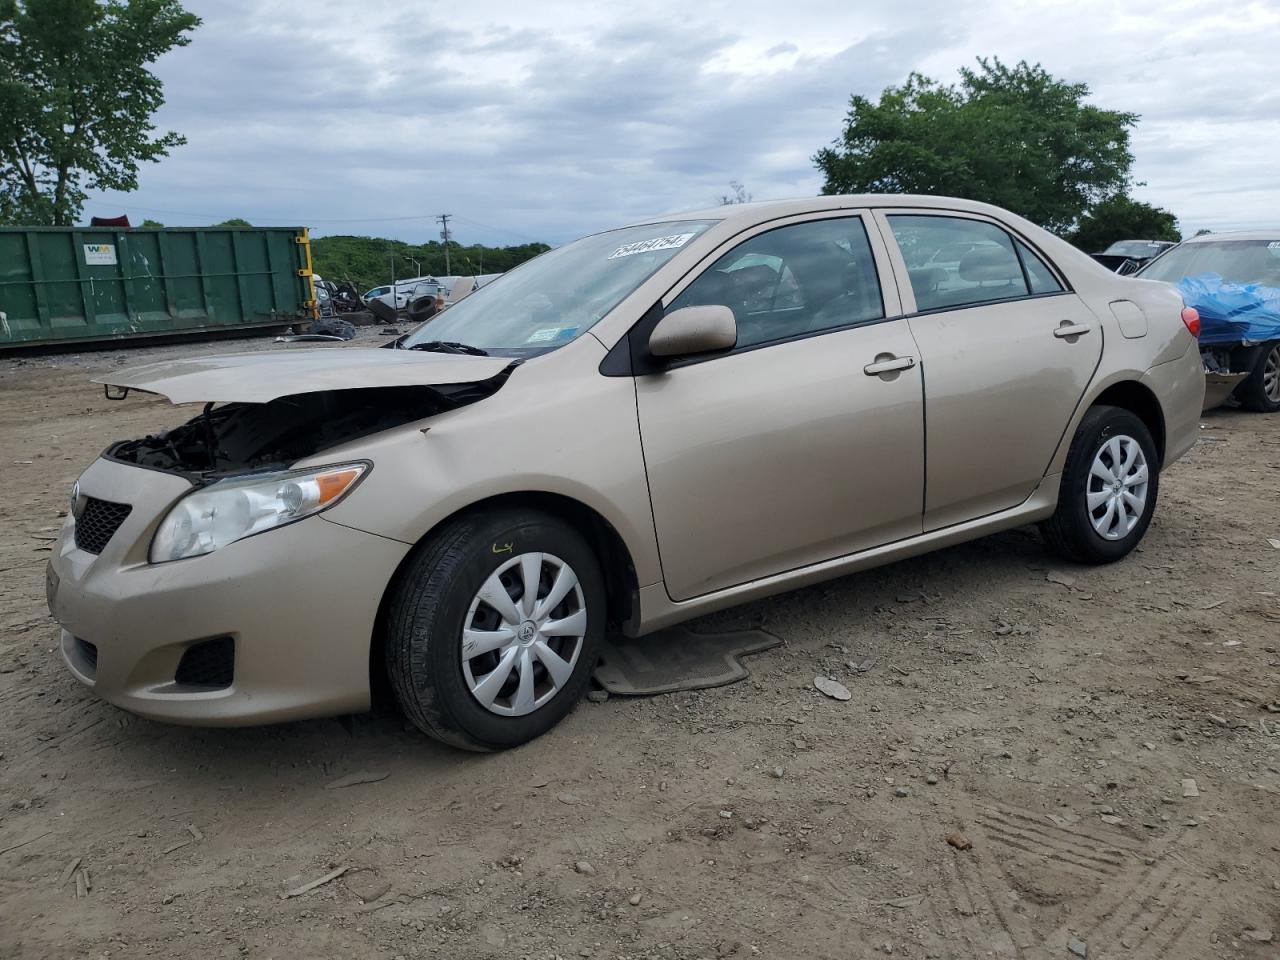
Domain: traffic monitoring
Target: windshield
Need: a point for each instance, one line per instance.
(554, 298)
(1134, 248)
(1236, 261)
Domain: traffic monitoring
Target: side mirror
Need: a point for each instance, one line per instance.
(689, 330)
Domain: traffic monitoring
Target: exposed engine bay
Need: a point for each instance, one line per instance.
(235, 438)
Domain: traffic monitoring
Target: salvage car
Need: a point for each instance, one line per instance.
(1126, 256)
(399, 295)
(639, 427)
(1233, 282)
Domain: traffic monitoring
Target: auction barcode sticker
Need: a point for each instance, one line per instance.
(648, 246)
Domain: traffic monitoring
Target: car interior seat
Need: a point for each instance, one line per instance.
(993, 269)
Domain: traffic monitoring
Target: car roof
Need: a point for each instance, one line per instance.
(1236, 235)
(745, 214)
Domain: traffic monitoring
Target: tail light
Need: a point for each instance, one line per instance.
(1191, 317)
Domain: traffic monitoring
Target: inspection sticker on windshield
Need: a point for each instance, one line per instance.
(550, 333)
(648, 246)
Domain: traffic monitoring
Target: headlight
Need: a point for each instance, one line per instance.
(232, 509)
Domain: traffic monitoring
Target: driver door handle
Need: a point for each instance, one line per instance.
(889, 366)
(1069, 329)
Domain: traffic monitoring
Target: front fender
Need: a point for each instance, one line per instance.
(556, 427)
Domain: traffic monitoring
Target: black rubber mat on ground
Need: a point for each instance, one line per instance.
(678, 659)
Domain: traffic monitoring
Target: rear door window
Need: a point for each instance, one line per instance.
(955, 262)
(1039, 275)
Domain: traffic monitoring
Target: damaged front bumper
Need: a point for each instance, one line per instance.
(274, 627)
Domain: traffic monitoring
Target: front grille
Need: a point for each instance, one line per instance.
(210, 664)
(98, 522)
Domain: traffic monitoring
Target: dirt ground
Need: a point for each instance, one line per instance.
(1050, 714)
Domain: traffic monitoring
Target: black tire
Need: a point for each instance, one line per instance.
(1252, 393)
(1070, 531)
(427, 609)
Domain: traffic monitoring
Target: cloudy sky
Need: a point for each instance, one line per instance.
(548, 120)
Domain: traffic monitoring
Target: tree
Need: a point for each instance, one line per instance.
(1013, 136)
(234, 222)
(152, 225)
(76, 100)
(739, 194)
(1123, 218)
(367, 261)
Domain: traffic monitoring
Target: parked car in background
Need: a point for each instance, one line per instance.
(379, 293)
(396, 296)
(625, 430)
(455, 288)
(399, 294)
(324, 297)
(1126, 256)
(1233, 280)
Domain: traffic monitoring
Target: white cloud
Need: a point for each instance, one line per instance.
(545, 120)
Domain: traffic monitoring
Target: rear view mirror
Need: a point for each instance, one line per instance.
(689, 330)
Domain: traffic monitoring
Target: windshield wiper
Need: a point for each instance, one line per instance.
(449, 346)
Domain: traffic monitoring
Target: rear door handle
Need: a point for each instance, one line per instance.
(889, 365)
(1069, 329)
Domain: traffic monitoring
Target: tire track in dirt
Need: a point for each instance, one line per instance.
(1144, 909)
(1158, 906)
(1131, 893)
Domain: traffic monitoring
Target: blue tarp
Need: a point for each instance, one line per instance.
(1231, 312)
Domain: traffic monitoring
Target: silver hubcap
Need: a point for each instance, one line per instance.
(1271, 375)
(1117, 489)
(523, 633)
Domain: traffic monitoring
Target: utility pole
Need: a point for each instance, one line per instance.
(443, 220)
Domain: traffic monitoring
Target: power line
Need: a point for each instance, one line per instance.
(488, 226)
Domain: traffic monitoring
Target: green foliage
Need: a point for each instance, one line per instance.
(151, 225)
(234, 222)
(1123, 218)
(1013, 136)
(367, 261)
(76, 100)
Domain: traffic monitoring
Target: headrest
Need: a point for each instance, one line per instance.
(990, 263)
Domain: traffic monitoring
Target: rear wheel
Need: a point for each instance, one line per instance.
(1109, 488)
(494, 628)
(1261, 390)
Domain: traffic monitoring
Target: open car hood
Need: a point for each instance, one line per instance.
(262, 377)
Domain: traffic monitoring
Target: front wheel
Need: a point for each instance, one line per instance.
(494, 628)
(1109, 488)
(1261, 390)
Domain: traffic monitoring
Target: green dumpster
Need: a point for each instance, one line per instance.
(73, 284)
